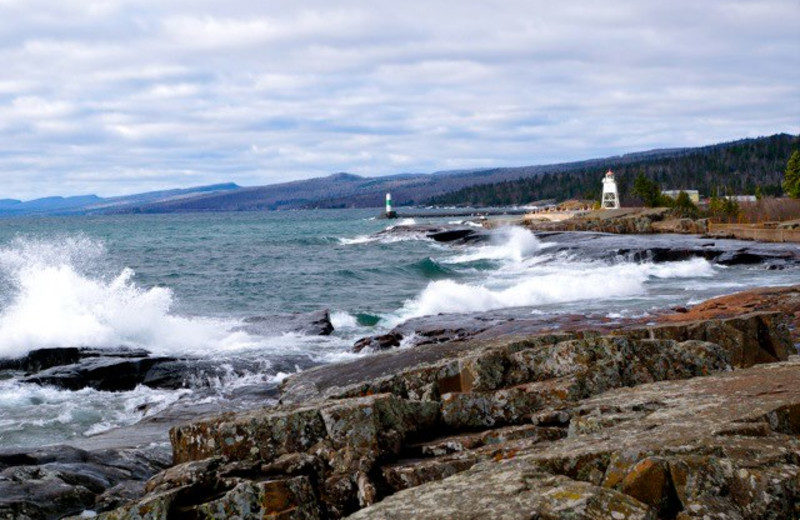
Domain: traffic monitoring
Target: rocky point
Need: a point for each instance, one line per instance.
(685, 418)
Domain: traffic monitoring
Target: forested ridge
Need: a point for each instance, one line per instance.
(738, 167)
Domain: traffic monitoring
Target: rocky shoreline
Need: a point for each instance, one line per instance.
(629, 221)
(694, 415)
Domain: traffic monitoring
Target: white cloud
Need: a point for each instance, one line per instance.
(121, 96)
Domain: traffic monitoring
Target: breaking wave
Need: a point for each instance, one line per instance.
(543, 284)
(510, 244)
(58, 293)
(59, 299)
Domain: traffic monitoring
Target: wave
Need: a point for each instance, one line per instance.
(35, 415)
(470, 223)
(431, 269)
(58, 302)
(512, 244)
(385, 236)
(60, 294)
(547, 284)
(342, 320)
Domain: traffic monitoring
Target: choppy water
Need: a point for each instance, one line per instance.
(181, 284)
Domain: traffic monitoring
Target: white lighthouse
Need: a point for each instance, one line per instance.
(610, 198)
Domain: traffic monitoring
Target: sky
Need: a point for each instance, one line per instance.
(115, 97)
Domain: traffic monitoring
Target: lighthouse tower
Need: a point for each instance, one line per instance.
(390, 213)
(610, 198)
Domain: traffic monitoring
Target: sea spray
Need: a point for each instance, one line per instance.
(58, 295)
(511, 243)
(546, 284)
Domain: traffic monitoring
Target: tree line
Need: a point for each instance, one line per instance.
(747, 167)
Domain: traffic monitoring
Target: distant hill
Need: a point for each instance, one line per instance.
(737, 167)
(344, 190)
(93, 204)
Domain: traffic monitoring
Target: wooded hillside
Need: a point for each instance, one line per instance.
(730, 168)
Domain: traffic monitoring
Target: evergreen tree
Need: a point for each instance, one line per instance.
(647, 190)
(791, 183)
(684, 206)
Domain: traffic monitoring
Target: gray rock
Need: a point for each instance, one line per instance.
(60, 480)
(316, 323)
(101, 373)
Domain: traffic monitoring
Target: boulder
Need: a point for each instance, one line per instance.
(44, 358)
(58, 480)
(101, 373)
(316, 323)
(378, 343)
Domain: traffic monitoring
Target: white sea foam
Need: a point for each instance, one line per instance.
(470, 223)
(387, 238)
(512, 244)
(343, 320)
(547, 284)
(57, 301)
(47, 414)
(361, 239)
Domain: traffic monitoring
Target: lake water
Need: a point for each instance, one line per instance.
(182, 284)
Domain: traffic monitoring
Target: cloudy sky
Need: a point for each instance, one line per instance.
(114, 97)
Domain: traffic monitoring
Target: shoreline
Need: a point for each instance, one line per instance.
(382, 435)
(658, 220)
(464, 395)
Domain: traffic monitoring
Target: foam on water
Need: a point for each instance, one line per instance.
(387, 238)
(512, 243)
(343, 320)
(33, 413)
(59, 297)
(544, 284)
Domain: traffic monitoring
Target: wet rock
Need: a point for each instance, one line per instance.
(666, 248)
(121, 373)
(316, 323)
(445, 233)
(42, 359)
(119, 495)
(59, 480)
(198, 373)
(101, 373)
(378, 343)
(42, 498)
(463, 236)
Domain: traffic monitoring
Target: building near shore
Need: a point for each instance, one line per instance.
(610, 199)
(741, 198)
(694, 195)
